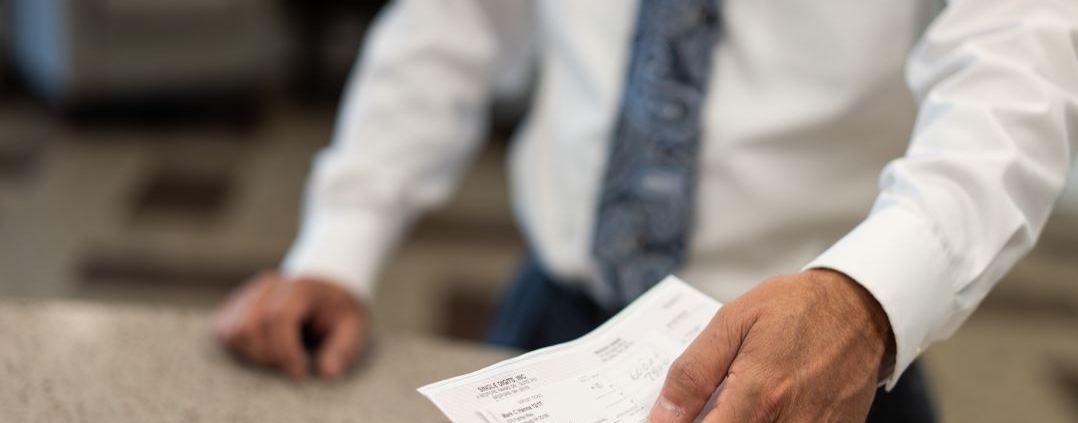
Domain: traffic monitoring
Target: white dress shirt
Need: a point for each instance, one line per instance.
(972, 107)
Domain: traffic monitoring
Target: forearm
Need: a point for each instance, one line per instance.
(997, 83)
(412, 118)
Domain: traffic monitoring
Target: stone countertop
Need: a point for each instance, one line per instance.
(64, 361)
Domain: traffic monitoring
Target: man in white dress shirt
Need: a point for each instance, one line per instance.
(969, 109)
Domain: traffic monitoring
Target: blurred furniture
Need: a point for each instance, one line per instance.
(70, 51)
(67, 361)
(328, 35)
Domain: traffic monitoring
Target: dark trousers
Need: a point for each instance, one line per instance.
(537, 312)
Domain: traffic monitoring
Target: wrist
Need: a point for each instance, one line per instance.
(871, 319)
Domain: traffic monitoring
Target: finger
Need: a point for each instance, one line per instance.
(237, 323)
(229, 317)
(255, 329)
(695, 375)
(342, 343)
(739, 402)
(289, 309)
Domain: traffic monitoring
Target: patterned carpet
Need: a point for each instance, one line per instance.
(180, 213)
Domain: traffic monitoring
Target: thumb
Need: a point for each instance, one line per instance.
(341, 346)
(697, 373)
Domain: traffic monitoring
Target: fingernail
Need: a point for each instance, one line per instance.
(663, 411)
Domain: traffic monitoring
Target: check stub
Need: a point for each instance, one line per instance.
(611, 375)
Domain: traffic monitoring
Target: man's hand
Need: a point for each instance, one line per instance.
(263, 320)
(809, 347)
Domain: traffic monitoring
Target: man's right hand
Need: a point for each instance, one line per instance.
(263, 322)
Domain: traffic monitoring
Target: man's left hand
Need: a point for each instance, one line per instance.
(809, 347)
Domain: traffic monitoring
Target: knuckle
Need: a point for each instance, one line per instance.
(774, 399)
(731, 320)
(267, 323)
(275, 318)
(275, 313)
(688, 374)
(257, 319)
(770, 396)
(771, 404)
(263, 319)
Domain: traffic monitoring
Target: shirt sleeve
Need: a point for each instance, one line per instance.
(412, 118)
(997, 86)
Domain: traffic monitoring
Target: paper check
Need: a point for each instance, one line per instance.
(610, 375)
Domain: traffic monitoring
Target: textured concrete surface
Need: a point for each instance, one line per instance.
(83, 216)
(68, 361)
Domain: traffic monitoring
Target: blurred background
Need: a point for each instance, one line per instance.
(155, 152)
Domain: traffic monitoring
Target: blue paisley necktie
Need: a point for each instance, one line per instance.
(646, 202)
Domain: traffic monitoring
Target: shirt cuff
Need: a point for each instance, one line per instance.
(897, 257)
(349, 249)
